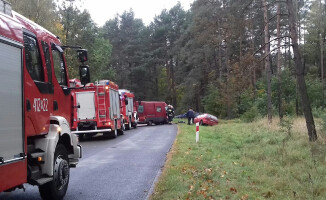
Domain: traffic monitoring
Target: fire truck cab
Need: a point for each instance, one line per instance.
(128, 111)
(84, 113)
(36, 144)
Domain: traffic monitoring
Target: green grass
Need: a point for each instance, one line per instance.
(237, 160)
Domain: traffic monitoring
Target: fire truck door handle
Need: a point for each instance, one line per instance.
(78, 106)
(28, 105)
(55, 105)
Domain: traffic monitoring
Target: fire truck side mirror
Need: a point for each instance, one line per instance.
(82, 55)
(66, 90)
(84, 74)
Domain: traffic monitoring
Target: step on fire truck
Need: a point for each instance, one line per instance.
(97, 109)
(36, 144)
(128, 109)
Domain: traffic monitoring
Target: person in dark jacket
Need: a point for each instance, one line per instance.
(190, 115)
(170, 113)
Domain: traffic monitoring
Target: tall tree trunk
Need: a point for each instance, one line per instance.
(322, 68)
(220, 61)
(227, 66)
(321, 42)
(174, 93)
(156, 92)
(279, 61)
(168, 75)
(300, 74)
(267, 64)
(252, 47)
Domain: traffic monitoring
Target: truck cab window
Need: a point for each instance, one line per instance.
(140, 109)
(33, 58)
(59, 68)
(46, 51)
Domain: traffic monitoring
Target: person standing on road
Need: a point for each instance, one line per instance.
(170, 113)
(190, 115)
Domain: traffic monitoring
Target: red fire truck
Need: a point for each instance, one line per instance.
(128, 108)
(152, 112)
(96, 109)
(36, 144)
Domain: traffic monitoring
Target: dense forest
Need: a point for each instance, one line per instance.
(230, 58)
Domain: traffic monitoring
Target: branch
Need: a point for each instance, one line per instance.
(284, 45)
(270, 19)
(286, 36)
(245, 8)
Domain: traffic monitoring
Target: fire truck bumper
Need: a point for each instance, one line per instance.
(91, 131)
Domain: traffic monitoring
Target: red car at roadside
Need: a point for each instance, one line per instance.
(206, 119)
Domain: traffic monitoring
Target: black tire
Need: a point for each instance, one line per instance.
(150, 123)
(129, 124)
(122, 129)
(114, 133)
(57, 188)
(134, 125)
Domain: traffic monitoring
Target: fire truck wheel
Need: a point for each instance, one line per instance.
(134, 125)
(57, 188)
(129, 125)
(114, 133)
(122, 129)
(150, 123)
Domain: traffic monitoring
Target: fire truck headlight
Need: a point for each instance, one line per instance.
(59, 129)
(106, 87)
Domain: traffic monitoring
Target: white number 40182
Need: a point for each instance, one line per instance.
(40, 105)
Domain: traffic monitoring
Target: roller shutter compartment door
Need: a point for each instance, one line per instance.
(11, 102)
(86, 100)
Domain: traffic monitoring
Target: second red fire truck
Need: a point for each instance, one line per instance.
(97, 109)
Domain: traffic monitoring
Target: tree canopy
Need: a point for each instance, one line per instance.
(211, 57)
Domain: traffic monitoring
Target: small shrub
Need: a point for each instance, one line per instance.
(323, 123)
(318, 112)
(286, 124)
(250, 115)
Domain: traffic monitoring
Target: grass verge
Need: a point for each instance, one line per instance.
(244, 161)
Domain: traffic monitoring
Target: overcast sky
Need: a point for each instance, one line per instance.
(103, 10)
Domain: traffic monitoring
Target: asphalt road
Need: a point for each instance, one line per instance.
(122, 168)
